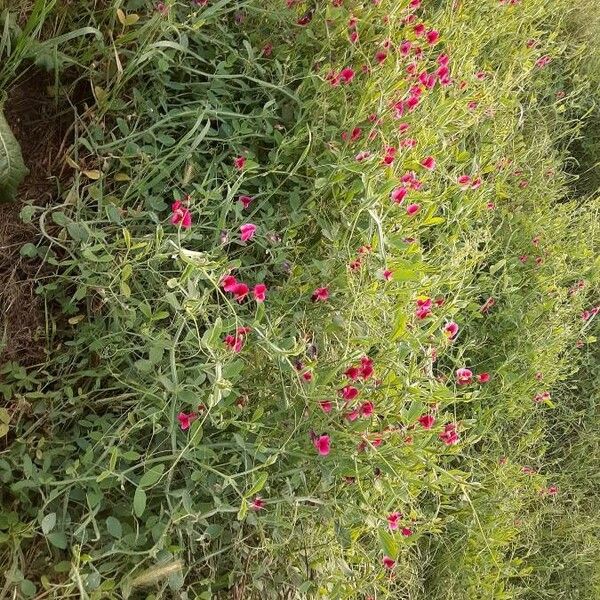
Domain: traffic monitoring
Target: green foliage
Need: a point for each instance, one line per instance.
(105, 491)
(12, 167)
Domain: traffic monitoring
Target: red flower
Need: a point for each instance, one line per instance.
(423, 309)
(185, 420)
(388, 563)
(257, 504)
(349, 392)
(483, 377)
(412, 209)
(181, 214)
(356, 133)
(239, 162)
(267, 49)
(419, 29)
(366, 367)
(235, 342)
(305, 19)
(405, 47)
(320, 294)
(432, 36)
(427, 421)
(353, 415)
(406, 531)
(450, 330)
(247, 231)
(449, 436)
(326, 406)
(428, 163)
(307, 376)
(240, 291)
(352, 373)
(323, 444)
(366, 409)
(387, 274)
(347, 75)
(259, 292)
(464, 376)
(380, 56)
(228, 283)
(245, 200)
(393, 520)
(398, 194)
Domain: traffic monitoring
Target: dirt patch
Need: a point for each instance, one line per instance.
(42, 128)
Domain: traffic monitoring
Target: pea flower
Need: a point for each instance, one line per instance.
(181, 214)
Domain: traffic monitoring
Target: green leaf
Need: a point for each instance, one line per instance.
(388, 544)
(48, 523)
(415, 410)
(113, 526)
(152, 476)
(260, 483)
(12, 167)
(139, 502)
(58, 539)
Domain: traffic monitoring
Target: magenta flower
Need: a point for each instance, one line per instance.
(323, 444)
(347, 75)
(432, 36)
(464, 376)
(259, 292)
(364, 154)
(366, 367)
(406, 531)
(257, 504)
(366, 409)
(419, 29)
(387, 274)
(320, 294)
(228, 283)
(483, 377)
(412, 209)
(450, 330)
(181, 214)
(239, 162)
(353, 415)
(352, 373)
(427, 421)
(247, 231)
(449, 436)
(186, 419)
(235, 342)
(245, 200)
(326, 406)
(388, 563)
(398, 194)
(348, 393)
(240, 291)
(393, 520)
(380, 56)
(428, 163)
(423, 309)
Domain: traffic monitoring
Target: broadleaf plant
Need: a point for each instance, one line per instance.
(12, 167)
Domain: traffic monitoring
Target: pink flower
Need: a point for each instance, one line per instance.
(356, 133)
(398, 194)
(464, 376)
(380, 56)
(267, 49)
(247, 231)
(464, 181)
(423, 309)
(186, 419)
(483, 377)
(432, 36)
(419, 29)
(352, 373)
(393, 519)
(387, 274)
(240, 291)
(347, 75)
(323, 444)
(239, 162)
(450, 330)
(362, 155)
(181, 214)
(326, 406)
(320, 294)
(406, 531)
(307, 376)
(427, 421)
(228, 283)
(353, 415)
(259, 292)
(412, 209)
(366, 409)
(552, 490)
(257, 504)
(428, 163)
(348, 393)
(245, 200)
(366, 367)
(449, 436)
(235, 342)
(388, 563)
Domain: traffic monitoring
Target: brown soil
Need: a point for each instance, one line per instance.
(42, 129)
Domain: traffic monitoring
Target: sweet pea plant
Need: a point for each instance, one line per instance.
(315, 278)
